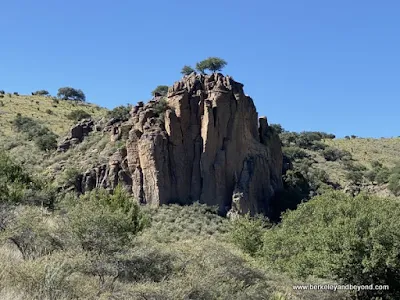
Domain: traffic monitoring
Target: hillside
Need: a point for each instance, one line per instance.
(48, 110)
(70, 229)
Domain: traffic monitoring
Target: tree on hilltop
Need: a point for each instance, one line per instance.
(69, 93)
(213, 64)
(187, 70)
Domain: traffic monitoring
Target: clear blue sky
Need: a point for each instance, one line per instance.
(330, 66)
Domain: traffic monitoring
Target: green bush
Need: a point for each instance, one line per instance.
(294, 152)
(334, 154)
(46, 142)
(354, 176)
(41, 93)
(160, 108)
(394, 184)
(43, 137)
(105, 223)
(247, 233)
(305, 139)
(13, 180)
(355, 240)
(161, 89)
(78, 115)
(120, 112)
(383, 175)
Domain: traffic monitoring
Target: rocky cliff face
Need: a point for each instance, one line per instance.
(205, 143)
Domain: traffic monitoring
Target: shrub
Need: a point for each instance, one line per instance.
(120, 112)
(187, 70)
(50, 277)
(105, 223)
(44, 138)
(49, 111)
(247, 233)
(383, 175)
(371, 175)
(337, 236)
(69, 93)
(16, 94)
(376, 164)
(277, 128)
(161, 89)
(161, 107)
(2, 92)
(305, 139)
(13, 180)
(41, 93)
(46, 142)
(294, 152)
(31, 234)
(354, 176)
(333, 154)
(78, 115)
(394, 184)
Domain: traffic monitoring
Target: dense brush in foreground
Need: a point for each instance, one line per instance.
(103, 245)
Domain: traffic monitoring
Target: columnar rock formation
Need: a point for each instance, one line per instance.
(204, 144)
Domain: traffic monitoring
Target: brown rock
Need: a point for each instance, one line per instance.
(209, 146)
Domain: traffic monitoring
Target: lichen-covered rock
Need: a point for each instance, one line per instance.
(207, 146)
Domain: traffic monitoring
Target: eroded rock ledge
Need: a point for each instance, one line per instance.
(207, 146)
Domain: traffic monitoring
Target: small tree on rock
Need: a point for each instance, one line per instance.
(213, 64)
(69, 93)
(187, 70)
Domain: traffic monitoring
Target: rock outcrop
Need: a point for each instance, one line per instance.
(203, 143)
(77, 134)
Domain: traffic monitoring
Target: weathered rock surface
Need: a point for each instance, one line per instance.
(77, 134)
(206, 145)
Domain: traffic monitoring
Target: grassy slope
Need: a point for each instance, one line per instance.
(366, 150)
(37, 107)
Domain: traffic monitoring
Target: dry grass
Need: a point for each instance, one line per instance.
(366, 150)
(43, 109)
